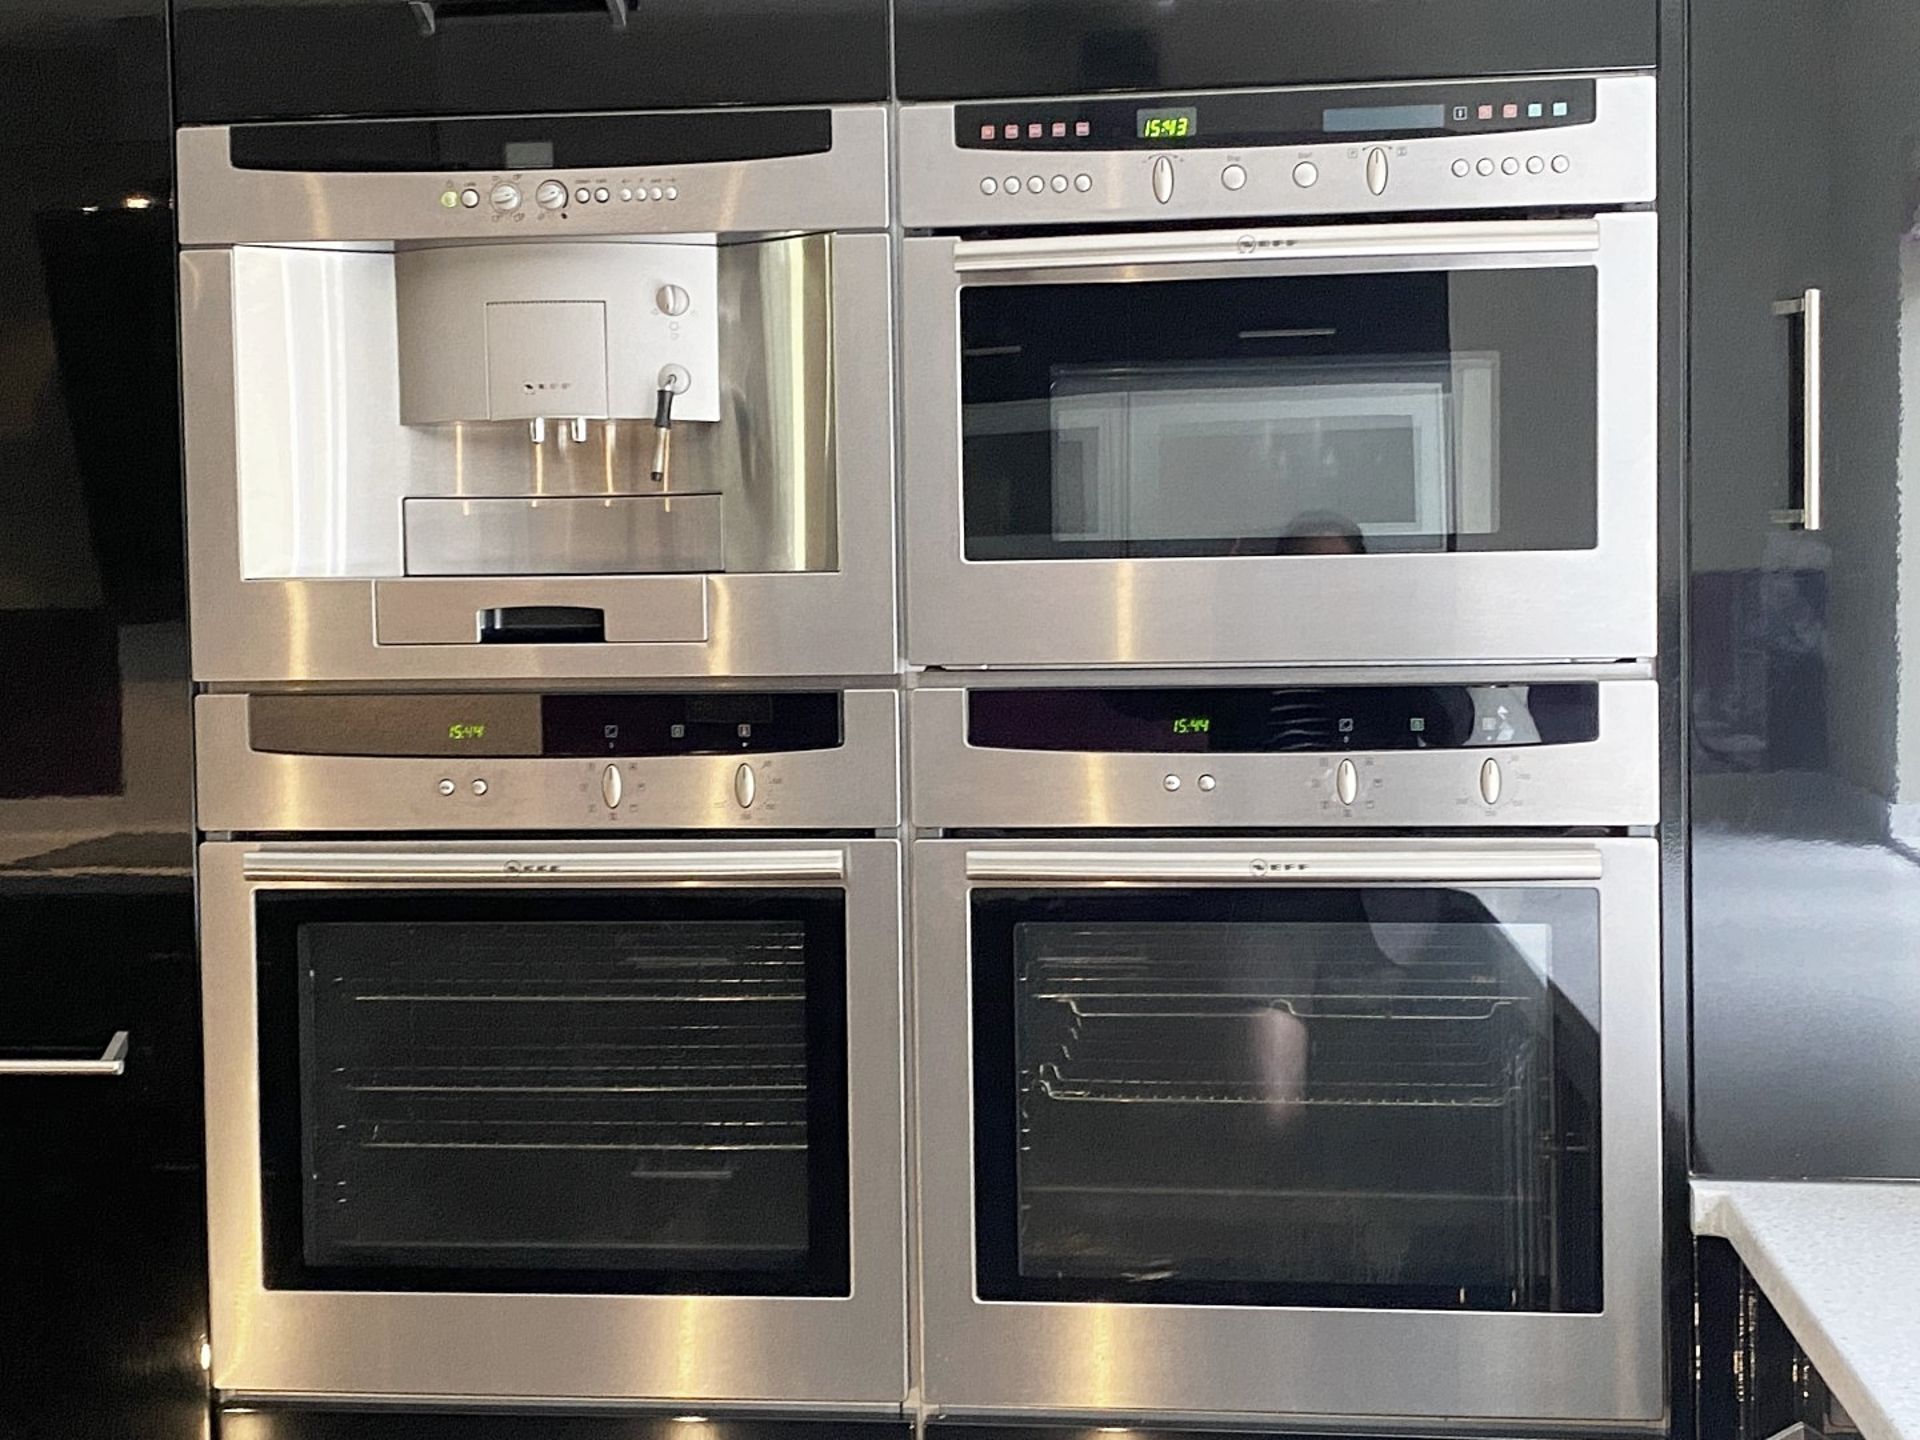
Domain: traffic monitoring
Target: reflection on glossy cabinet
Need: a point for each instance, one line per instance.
(1805, 613)
(102, 1268)
(102, 1271)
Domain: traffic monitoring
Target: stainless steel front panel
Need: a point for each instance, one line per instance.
(674, 1349)
(856, 787)
(566, 535)
(1591, 604)
(1609, 162)
(1119, 1360)
(835, 620)
(842, 189)
(1611, 781)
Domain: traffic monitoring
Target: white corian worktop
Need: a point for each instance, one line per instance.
(1841, 1263)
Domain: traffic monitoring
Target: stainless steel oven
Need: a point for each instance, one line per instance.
(1315, 1119)
(1282, 376)
(590, 1117)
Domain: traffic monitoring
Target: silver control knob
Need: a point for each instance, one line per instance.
(1490, 782)
(1162, 179)
(672, 300)
(745, 786)
(505, 196)
(611, 786)
(551, 195)
(1346, 782)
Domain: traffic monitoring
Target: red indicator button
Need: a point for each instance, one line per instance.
(1059, 129)
(1013, 132)
(1510, 112)
(1486, 112)
(1036, 130)
(987, 132)
(1083, 128)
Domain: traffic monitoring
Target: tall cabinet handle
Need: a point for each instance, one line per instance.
(1808, 308)
(112, 1063)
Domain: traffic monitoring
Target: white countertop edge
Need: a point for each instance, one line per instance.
(1840, 1262)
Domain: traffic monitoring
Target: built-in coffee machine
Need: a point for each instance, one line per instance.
(553, 395)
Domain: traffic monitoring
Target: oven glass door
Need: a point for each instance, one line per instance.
(1413, 411)
(636, 1092)
(1375, 1097)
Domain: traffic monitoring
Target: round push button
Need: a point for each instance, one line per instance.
(989, 186)
(1305, 174)
(1463, 168)
(1234, 177)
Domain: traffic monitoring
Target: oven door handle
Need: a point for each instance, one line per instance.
(1287, 867)
(1549, 239)
(543, 867)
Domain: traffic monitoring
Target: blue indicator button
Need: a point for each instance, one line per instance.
(1559, 107)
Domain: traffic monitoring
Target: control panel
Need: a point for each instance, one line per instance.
(571, 760)
(1572, 143)
(1444, 755)
(522, 197)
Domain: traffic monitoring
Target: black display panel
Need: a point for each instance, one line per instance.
(527, 726)
(970, 49)
(311, 59)
(577, 142)
(720, 723)
(1246, 119)
(1248, 720)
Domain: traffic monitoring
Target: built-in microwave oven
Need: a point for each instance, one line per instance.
(1282, 377)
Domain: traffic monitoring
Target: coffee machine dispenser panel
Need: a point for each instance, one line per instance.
(545, 331)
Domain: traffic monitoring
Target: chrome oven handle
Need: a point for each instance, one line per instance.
(542, 867)
(111, 1065)
(1435, 240)
(1808, 305)
(1286, 867)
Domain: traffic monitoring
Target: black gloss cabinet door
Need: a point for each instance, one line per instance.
(279, 59)
(1805, 615)
(102, 1275)
(973, 49)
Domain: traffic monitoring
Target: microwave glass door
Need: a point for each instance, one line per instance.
(1380, 1098)
(1405, 412)
(642, 1092)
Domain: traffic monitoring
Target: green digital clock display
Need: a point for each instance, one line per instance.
(458, 731)
(1192, 724)
(1181, 124)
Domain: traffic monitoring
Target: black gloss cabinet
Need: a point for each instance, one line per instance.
(102, 1271)
(282, 59)
(1805, 642)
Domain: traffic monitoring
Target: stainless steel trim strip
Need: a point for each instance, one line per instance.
(111, 1065)
(549, 867)
(1322, 242)
(1292, 867)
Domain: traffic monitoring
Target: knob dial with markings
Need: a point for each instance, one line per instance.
(551, 195)
(506, 196)
(672, 300)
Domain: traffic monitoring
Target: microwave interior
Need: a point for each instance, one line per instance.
(1359, 414)
(1375, 1097)
(633, 1092)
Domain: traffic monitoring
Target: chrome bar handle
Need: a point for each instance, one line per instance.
(1808, 306)
(1413, 241)
(112, 1063)
(535, 867)
(1286, 867)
